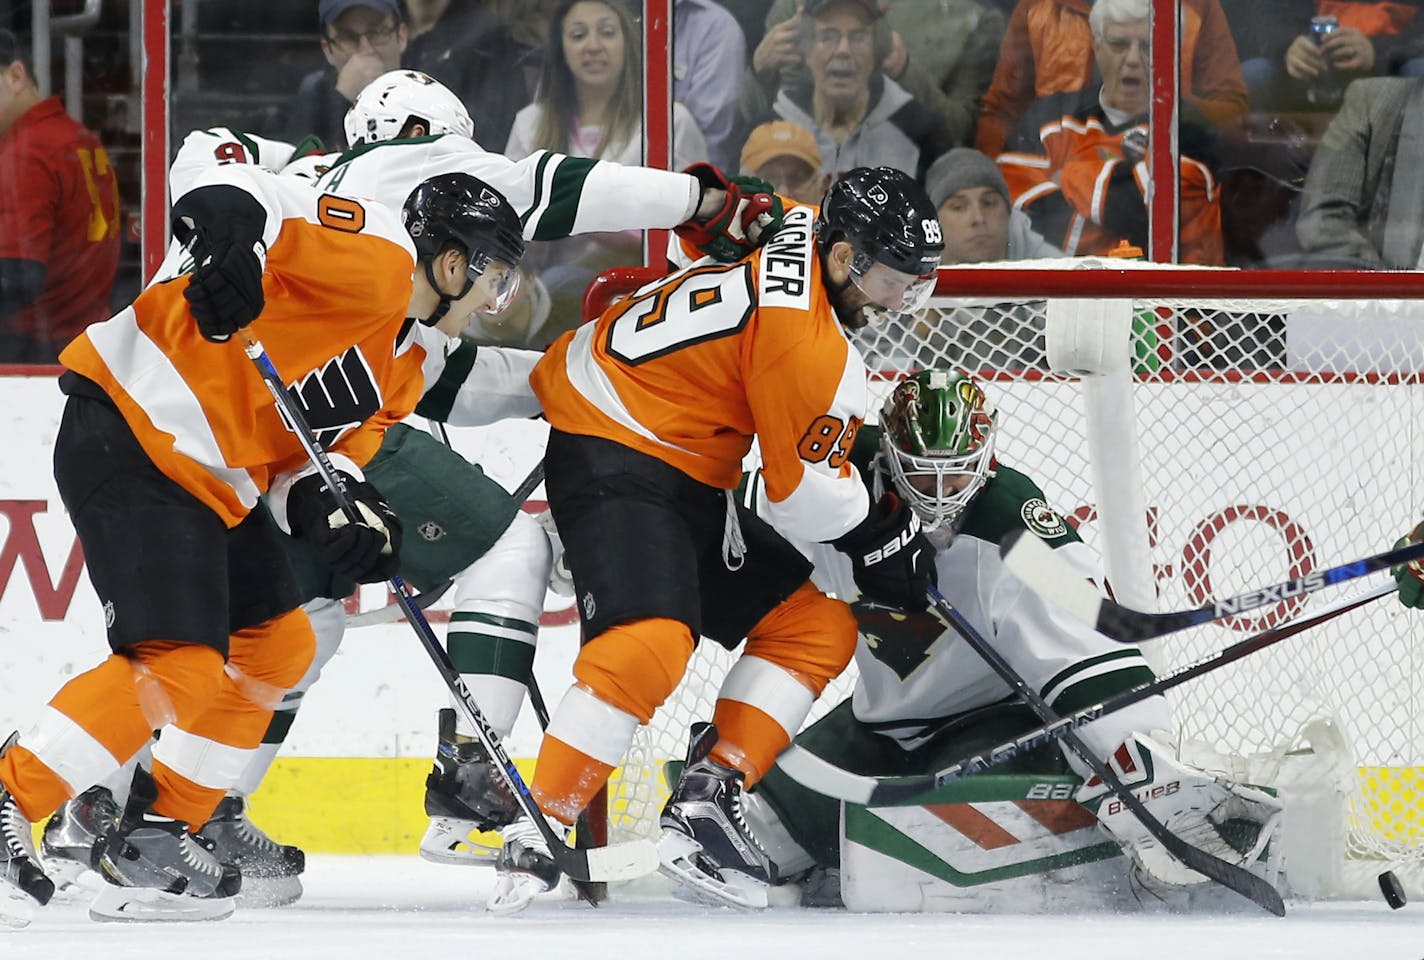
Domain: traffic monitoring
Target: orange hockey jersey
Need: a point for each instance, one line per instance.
(1066, 168)
(690, 368)
(337, 285)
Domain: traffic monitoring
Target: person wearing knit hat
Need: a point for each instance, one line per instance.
(785, 155)
(976, 213)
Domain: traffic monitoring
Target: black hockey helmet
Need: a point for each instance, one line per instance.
(462, 209)
(888, 218)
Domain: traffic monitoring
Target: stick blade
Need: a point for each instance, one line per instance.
(1050, 576)
(811, 771)
(620, 861)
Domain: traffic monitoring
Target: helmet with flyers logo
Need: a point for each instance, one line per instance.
(463, 210)
(394, 100)
(888, 218)
(937, 431)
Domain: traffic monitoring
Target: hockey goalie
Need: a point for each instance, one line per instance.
(1037, 833)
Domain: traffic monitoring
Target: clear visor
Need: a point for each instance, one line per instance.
(938, 488)
(890, 289)
(498, 280)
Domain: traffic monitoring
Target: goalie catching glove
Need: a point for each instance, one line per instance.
(750, 215)
(222, 228)
(1410, 576)
(892, 561)
(1227, 820)
(368, 551)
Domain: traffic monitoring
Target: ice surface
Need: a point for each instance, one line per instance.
(401, 908)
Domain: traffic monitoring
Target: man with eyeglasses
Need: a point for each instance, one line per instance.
(859, 116)
(361, 39)
(1077, 165)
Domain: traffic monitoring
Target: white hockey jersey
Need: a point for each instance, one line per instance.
(915, 671)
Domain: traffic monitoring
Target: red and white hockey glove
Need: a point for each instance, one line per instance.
(749, 215)
(1410, 576)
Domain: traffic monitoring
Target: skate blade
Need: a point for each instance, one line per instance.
(514, 891)
(145, 905)
(16, 909)
(268, 892)
(677, 854)
(455, 843)
(63, 871)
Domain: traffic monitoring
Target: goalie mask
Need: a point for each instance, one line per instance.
(394, 100)
(461, 210)
(890, 222)
(937, 433)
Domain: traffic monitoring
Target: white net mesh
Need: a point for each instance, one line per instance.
(1275, 438)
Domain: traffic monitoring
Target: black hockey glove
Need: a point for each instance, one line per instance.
(367, 552)
(892, 561)
(222, 229)
(749, 216)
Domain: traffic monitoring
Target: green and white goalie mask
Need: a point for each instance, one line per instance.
(937, 433)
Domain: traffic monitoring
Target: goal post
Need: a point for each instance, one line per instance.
(1231, 430)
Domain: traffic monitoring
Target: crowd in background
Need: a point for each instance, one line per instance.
(1027, 120)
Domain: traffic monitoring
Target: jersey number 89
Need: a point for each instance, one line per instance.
(705, 303)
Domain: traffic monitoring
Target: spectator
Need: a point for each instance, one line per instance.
(859, 116)
(1077, 163)
(590, 92)
(785, 155)
(709, 56)
(942, 52)
(590, 105)
(59, 219)
(1049, 49)
(1297, 68)
(467, 46)
(361, 39)
(1364, 199)
(975, 212)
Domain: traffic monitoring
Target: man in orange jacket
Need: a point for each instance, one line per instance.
(1049, 49)
(1077, 165)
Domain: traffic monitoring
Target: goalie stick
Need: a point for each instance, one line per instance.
(1036, 564)
(1229, 875)
(624, 861)
(811, 771)
(392, 612)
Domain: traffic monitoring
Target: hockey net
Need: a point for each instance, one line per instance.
(1261, 438)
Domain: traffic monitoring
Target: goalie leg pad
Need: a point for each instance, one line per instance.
(1228, 820)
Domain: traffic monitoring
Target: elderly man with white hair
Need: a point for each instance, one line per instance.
(1077, 164)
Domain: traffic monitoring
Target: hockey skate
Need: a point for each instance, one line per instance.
(1228, 820)
(706, 843)
(72, 835)
(271, 871)
(525, 868)
(463, 794)
(157, 870)
(25, 883)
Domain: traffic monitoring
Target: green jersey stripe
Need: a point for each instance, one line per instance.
(439, 400)
(491, 656)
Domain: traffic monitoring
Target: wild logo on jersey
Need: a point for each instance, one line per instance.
(337, 397)
(897, 639)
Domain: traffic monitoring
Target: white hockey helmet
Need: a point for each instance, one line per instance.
(393, 99)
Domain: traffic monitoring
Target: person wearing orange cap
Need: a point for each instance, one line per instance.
(785, 155)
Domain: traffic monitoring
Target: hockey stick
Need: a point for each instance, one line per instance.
(1036, 564)
(811, 771)
(622, 862)
(1229, 875)
(392, 612)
